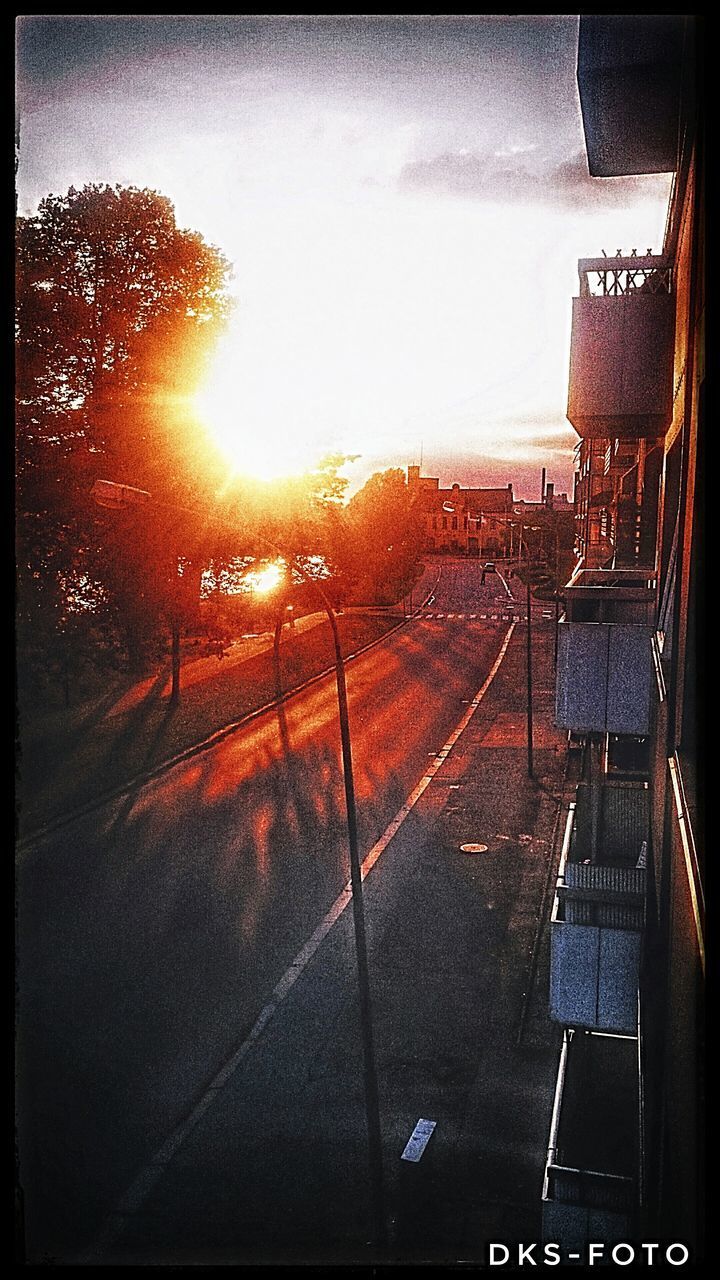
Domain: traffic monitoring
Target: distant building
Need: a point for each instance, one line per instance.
(556, 501)
(463, 521)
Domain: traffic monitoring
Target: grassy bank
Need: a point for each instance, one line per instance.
(69, 760)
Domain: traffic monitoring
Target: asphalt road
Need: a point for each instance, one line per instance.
(151, 933)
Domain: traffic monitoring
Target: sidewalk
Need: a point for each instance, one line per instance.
(271, 1165)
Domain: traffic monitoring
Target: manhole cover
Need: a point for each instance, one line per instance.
(473, 848)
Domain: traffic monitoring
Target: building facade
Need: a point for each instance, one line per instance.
(625, 1157)
(462, 521)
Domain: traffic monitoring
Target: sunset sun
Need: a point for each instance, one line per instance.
(261, 454)
(260, 432)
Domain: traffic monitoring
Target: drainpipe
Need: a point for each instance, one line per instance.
(595, 786)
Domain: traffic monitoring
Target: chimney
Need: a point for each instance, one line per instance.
(542, 486)
(413, 478)
(549, 494)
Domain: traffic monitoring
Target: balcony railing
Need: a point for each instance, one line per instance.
(590, 1189)
(604, 673)
(598, 915)
(621, 595)
(622, 348)
(613, 277)
(604, 664)
(619, 459)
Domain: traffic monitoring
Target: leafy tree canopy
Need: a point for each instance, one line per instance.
(384, 537)
(117, 311)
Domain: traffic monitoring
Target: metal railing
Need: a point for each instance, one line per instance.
(624, 275)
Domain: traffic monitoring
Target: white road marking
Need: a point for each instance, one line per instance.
(146, 1180)
(418, 1140)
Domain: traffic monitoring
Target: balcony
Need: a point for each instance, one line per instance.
(598, 914)
(620, 458)
(629, 76)
(604, 662)
(590, 1186)
(602, 498)
(622, 348)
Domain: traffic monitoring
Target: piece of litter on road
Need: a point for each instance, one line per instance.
(418, 1140)
(473, 848)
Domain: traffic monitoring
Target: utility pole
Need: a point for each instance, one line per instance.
(529, 663)
(175, 644)
(372, 1100)
(557, 591)
(595, 749)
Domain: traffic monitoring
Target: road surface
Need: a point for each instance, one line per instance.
(151, 932)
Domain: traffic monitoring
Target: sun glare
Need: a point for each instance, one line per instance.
(265, 580)
(254, 436)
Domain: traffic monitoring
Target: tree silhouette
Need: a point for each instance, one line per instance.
(117, 311)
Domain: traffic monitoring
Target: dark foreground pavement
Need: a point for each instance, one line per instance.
(272, 1164)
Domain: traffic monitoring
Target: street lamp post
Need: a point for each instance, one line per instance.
(529, 663)
(116, 496)
(522, 540)
(557, 593)
(372, 1100)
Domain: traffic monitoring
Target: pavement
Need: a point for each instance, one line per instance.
(270, 1162)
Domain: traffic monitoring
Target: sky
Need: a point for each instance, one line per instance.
(403, 200)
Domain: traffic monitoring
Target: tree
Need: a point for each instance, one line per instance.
(117, 311)
(384, 537)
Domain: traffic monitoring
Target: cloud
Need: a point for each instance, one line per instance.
(551, 419)
(489, 177)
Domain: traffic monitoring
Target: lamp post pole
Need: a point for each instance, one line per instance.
(557, 595)
(372, 1100)
(529, 660)
(109, 494)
